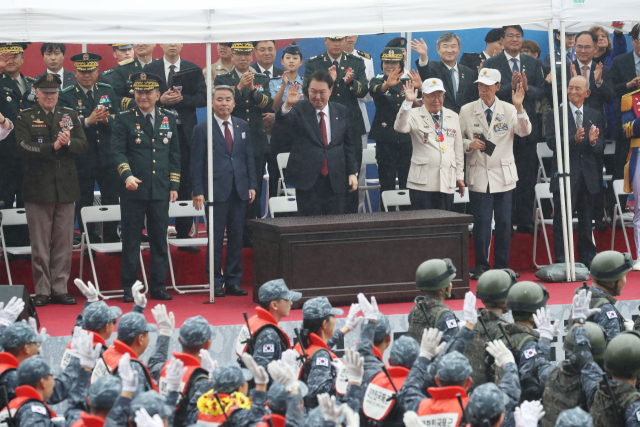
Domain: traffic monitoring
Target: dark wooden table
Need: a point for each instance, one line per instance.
(376, 253)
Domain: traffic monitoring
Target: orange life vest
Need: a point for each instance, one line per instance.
(263, 319)
(66, 356)
(108, 363)
(315, 344)
(190, 362)
(8, 362)
(443, 407)
(276, 420)
(24, 394)
(87, 420)
(380, 397)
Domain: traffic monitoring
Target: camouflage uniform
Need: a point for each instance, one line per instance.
(438, 316)
(575, 417)
(483, 371)
(99, 319)
(286, 404)
(486, 402)
(525, 341)
(103, 395)
(371, 332)
(609, 317)
(124, 409)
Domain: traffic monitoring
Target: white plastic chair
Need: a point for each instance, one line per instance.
(265, 177)
(108, 213)
(395, 198)
(282, 204)
(283, 159)
(11, 217)
(544, 152)
(369, 158)
(185, 209)
(542, 192)
(618, 190)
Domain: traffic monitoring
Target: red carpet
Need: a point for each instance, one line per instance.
(189, 269)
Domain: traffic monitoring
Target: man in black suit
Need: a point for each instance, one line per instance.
(234, 182)
(493, 39)
(322, 162)
(183, 100)
(515, 68)
(53, 56)
(458, 79)
(585, 143)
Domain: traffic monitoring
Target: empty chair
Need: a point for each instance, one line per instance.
(283, 204)
(369, 158)
(11, 217)
(618, 190)
(395, 198)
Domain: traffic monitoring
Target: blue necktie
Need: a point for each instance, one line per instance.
(453, 81)
(515, 65)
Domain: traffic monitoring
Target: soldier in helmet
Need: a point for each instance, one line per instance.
(433, 278)
(617, 402)
(609, 272)
(493, 288)
(575, 417)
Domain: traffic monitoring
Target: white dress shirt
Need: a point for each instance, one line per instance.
(85, 123)
(60, 73)
(4, 133)
(509, 60)
(331, 58)
(327, 122)
(264, 70)
(455, 68)
(485, 107)
(153, 116)
(575, 118)
(142, 63)
(223, 127)
(168, 64)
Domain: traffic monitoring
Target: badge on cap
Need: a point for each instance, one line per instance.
(612, 314)
(268, 348)
(451, 323)
(143, 76)
(49, 77)
(528, 354)
(434, 82)
(322, 361)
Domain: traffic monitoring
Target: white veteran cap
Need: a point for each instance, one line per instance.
(488, 76)
(432, 85)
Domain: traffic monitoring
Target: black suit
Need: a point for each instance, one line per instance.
(69, 78)
(599, 95)
(466, 92)
(194, 96)
(473, 60)
(317, 195)
(524, 148)
(586, 181)
(277, 72)
(623, 70)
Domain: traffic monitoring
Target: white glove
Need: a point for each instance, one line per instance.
(88, 291)
(259, 373)
(500, 353)
(43, 331)
(469, 311)
(207, 362)
(352, 320)
(138, 297)
(411, 419)
(87, 354)
(547, 330)
(370, 310)
(175, 372)
(328, 406)
(127, 375)
(10, 313)
(431, 346)
(283, 375)
(166, 322)
(580, 307)
(528, 414)
(628, 325)
(354, 364)
(338, 365)
(290, 357)
(75, 339)
(143, 419)
(352, 419)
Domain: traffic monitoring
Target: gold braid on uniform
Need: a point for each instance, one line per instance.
(265, 101)
(359, 88)
(123, 167)
(174, 177)
(124, 105)
(28, 147)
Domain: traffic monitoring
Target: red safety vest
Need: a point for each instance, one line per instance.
(24, 394)
(262, 319)
(109, 360)
(190, 362)
(342, 382)
(87, 420)
(443, 407)
(8, 362)
(311, 349)
(276, 420)
(380, 396)
(66, 356)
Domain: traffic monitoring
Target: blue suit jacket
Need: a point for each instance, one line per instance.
(228, 167)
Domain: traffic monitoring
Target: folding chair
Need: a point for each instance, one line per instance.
(544, 152)
(618, 190)
(12, 217)
(283, 159)
(395, 198)
(265, 177)
(283, 204)
(103, 213)
(185, 209)
(369, 158)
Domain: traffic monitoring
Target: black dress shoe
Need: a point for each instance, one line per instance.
(477, 273)
(64, 299)
(128, 297)
(41, 300)
(218, 292)
(160, 295)
(236, 291)
(601, 226)
(526, 229)
(190, 249)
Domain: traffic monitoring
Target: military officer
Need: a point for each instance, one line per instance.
(17, 94)
(119, 77)
(147, 154)
(350, 84)
(223, 65)
(253, 98)
(96, 106)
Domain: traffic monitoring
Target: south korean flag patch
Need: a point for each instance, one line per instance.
(638, 415)
(612, 314)
(528, 354)
(451, 323)
(322, 361)
(268, 348)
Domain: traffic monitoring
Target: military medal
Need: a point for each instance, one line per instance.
(165, 140)
(79, 102)
(426, 138)
(138, 127)
(8, 99)
(438, 126)
(138, 140)
(443, 147)
(165, 123)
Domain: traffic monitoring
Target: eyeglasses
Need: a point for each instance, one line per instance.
(583, 47)
(513, 36)
(435, 95)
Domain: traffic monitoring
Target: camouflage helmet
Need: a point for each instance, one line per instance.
(527, 297)
(597, 340)
(435, 274)
(622, 356)
(494, 285)
(610, 266)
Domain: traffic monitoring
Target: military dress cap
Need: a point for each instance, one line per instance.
(97, 315)
(145, 81)
(336, 38)
(404, 351)
(393, 54)
(488, 76)
(244, 47)
(494, 35)
(104, 392)
(432, 85)
(383, 328)
(18, 334)
(453, 367)
(48, 82)
(292, 49)
(397, 42)
(195, 331)
(318, 308)
(276, 289)
(485, 403)
(152, 402)
(86, 61)
(13, 47)
(435, 274)
(122, 46)
(32, 370)
(229, 378)
(277, 396)
(133, 324)
(575, 417)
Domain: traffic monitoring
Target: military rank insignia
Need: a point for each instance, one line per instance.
(402, 91)
(165, 123)
(259, 88)
(500, 126)
(104, 99)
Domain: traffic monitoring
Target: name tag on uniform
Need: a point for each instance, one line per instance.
(243, 137)
(500, 126)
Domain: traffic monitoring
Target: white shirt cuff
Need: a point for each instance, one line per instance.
(284, 110)
(599, 84)
(85, 123)
(523, 115)
(423, 63)
(406, 105)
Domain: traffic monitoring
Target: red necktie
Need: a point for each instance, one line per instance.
(585, 71)
(323, 128)
(227, 135)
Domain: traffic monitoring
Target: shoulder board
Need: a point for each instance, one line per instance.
(30, 79)
(380, 76)
(67, 89)
(104, 73)
(365, 54)
(626, 102)
(103, 84)
(350, 56)
(167, 112)
(126, 61)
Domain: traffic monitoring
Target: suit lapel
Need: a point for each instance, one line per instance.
(506, 68)
(447, 78)
(143, 123)
(478, 111)
(237, 135)
(218, 136)
(311, 116)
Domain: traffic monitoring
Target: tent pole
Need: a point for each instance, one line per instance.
(407, 60)
(565, 137)
(556, 119)
(210, 170)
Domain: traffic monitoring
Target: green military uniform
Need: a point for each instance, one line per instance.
(120, 77)
(151, 154)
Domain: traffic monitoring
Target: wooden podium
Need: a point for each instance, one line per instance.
(376, 253)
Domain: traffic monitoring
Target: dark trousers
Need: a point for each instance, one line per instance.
(11, 174)
(274, 173)
(133, 214)
(183, 225)
(229, 215)
(107, 178)
(527, 165)
(486, 206)
(582, 201)
(393, 158)
(320, 199)
(430, 200)
(255, 208)
(352, 200)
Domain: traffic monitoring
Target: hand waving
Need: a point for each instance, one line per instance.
(410, 93)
